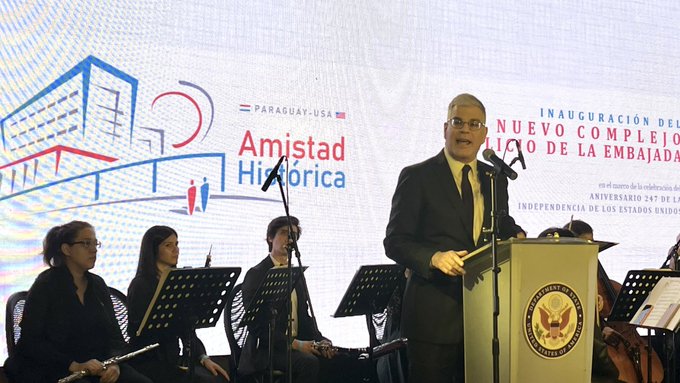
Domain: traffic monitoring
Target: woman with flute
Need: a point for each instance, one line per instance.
(159, 252)
(68, 323)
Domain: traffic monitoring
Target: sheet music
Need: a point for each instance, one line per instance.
(660, 309)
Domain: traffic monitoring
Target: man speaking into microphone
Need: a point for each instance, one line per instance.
(438, 211)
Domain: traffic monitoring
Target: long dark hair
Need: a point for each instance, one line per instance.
(148, 252)
(58, 235)
(579, 227)
(561, 232)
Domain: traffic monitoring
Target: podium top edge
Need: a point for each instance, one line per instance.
(602, 245)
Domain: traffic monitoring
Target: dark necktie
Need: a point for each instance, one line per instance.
(468, 201)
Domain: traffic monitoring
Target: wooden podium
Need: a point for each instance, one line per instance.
(547, 290)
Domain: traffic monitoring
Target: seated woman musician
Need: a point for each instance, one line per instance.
(160, 251)
(68, 323)
(580, 228)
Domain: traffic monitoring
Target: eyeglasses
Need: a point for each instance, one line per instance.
(457, 123)
(88, 243)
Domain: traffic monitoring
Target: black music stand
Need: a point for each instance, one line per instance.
(369, 293)
(264, 307)
(604, 245)
(634, 291)
(187, 299)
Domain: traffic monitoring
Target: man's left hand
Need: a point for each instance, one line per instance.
(326, 348)
(215, 368)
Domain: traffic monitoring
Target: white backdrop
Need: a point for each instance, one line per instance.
(591, 90)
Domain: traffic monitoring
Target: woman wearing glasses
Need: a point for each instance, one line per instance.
(68, 322)
(159, 252)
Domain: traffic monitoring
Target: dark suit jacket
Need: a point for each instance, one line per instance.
(255, 351)
(56, 329)
(426, 217)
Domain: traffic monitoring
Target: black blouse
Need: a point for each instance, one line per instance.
(57, 329)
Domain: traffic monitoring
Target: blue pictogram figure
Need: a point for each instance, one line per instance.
(205, 191)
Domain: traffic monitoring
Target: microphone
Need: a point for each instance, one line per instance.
(672, 259)
(292, 246)
(208, 258)
(491, 156)
(272, 175)
(520, 155)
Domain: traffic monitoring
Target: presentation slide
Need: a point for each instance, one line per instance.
(128, 114)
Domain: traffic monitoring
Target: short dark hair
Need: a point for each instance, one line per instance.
(58, 235)
(148, 251)
(551, 231)
(466, 99)
(579, 227)
(278, 223)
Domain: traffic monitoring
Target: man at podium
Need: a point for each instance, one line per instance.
(438, 211)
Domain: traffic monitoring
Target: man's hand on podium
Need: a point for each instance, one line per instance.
(449, 262)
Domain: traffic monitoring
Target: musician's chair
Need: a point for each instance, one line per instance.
(385, 327)
(13, 314)
(120, 308)
(233, 313)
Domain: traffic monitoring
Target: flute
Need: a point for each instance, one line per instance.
(115, 360)
(377, 351)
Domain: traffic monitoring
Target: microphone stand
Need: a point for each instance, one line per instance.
(295, 248)
(289, 342)
(493, 230)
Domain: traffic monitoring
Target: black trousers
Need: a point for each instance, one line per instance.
(435, 363)
(308, 368)
(160, 371)
(127, 375)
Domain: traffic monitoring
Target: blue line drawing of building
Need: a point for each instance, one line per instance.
(89, 110)
(148, 170)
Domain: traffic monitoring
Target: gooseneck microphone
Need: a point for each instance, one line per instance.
(491, 156)
(292, 246)
(520, 155)
(272, 175)
(208, 258)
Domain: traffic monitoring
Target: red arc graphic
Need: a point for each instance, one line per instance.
(198, 110)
